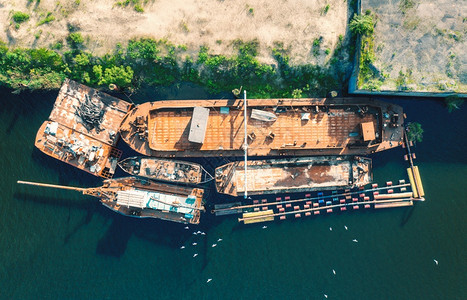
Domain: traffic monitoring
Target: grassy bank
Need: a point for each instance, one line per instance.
(148, 62)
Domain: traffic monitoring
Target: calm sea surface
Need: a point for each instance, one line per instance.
(62, 245)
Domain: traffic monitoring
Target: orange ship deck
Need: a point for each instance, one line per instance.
(327, 129)
(303, 127)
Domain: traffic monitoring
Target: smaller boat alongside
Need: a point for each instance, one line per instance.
(163, 169)
(140, 198)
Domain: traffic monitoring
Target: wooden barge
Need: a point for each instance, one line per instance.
(136, 197)
(163, 169)
(292, 127)
(82, 129)
(293, 175)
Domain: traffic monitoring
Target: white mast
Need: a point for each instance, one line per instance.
(245, 145)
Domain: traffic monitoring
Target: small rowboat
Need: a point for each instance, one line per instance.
(163, 169)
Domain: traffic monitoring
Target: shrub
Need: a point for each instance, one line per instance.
(74, 39)
(139, 8)
(48, 18)
(20, 17)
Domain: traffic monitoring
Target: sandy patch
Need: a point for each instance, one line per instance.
(192, 23)
(427, 44)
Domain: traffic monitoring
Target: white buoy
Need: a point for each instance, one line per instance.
(196, 254)
(346, 227)
(194, 244)
(333, 271)
(214, 245)
(209, 280)
(219, 240)
(355, 241)
(182, 247)
(436, 262)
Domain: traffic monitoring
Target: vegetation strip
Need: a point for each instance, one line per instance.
(161, 63)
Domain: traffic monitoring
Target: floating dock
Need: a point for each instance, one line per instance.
(413, 172)
(373, 197)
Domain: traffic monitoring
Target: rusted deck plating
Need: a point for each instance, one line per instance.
(163, 169)
(83, 128)
(303, 127)
(293, 175)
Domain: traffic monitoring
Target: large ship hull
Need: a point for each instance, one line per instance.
(292, 127)
(293, 175)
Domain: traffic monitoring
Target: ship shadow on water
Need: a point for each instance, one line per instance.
(115, 240)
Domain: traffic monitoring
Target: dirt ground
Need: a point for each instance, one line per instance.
(214, 23)
(421, 48)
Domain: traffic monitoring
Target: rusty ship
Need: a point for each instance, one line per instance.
(82, 129)
(293, 175)
(137, 197)
(163, 169)
(292, 127)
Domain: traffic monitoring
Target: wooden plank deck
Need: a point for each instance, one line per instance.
(168, 130)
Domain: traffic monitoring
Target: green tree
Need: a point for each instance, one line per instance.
(119, 75)
(415, 132)
(453, 102)
(362, 24)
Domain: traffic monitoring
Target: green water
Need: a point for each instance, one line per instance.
(62, 245)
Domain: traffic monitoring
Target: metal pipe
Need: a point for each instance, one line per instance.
(245, 145)
(52, 186)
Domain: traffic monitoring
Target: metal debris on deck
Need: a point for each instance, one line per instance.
(165, 169)
(82, 129)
